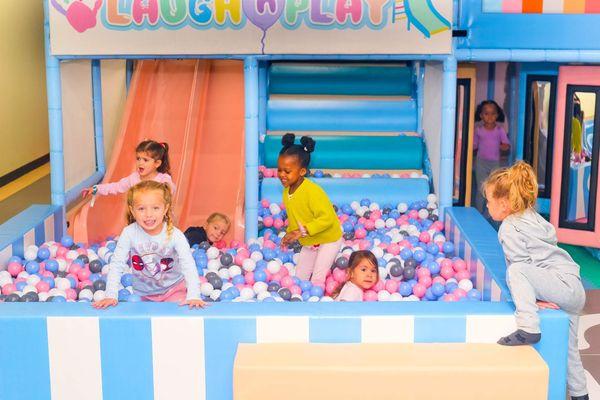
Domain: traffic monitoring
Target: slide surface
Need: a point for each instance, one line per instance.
(197, 107)
(423, 15)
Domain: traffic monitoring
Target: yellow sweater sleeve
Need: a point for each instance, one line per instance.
(321, 208)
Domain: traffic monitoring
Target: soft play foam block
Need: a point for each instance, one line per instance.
(388, 371)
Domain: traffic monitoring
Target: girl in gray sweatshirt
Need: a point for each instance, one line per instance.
(539, 273)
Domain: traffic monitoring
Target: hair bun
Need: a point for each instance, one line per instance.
(308, 143)
(288, 139)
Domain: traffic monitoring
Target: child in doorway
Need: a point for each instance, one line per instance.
(161, 260)
(311, 217)
(152, 164)
(539, 273)
(217, 226)
(489, 140)
(363, 274)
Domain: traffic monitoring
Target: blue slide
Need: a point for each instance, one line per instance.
(423, 15)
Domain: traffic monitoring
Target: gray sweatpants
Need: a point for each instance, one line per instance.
(483, 169)
(528, 283)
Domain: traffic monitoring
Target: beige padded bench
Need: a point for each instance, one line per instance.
(312, 371)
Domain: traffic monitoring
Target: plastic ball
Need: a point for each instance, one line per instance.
(465, 284)
(98, 295)
(43, 253)
(206, 289)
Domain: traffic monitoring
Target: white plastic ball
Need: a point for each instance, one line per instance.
(366, 175)
(248, 265)
(105, 269)
(262, 295)
(337, 175)
(33, 280)
(465, 284)
(102, 251)
(313, 299)
(376, 242)
(53, 249)
(4, 275)
(414, 175)
(71, 255)
(62, 264)
(295, 258)
(247, 293)
(234, 270)
(296, 296)
(206, 289)
(436, 212)
(273, 266)
(23, 274)
(402, 207)
(260, 287)
(431, 198)
(347, 252)
(99, 295)
(379, 224)
(326, 299)
(256, 256)
(451, 280)
(5, 281)
(423, 213)
(86, 294)
(62, 283)
(43, 296)
(377, 252)
(278, 299)
(274, 208)
(31, 253)
(215, 294)
(395, 297)
(388, 256)
(355, 205)
(29, 288)
(212, 253)
(412, 297)
(383, 295)
(383, 273)
(374, 206)
(223, 273)
(431, 206)
(213, 265)
(226, 286)
(390, 223)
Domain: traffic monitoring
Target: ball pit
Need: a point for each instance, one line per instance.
(415, 262)
(264, 172)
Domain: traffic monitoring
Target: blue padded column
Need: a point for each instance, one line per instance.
(447, 140)
(251, 129)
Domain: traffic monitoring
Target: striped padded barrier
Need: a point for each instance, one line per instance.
(356, 152)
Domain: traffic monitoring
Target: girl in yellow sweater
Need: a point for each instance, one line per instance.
(311, 217)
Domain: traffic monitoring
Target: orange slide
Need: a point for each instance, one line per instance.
(197, 107)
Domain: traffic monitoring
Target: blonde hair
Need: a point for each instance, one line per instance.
(218, 216)
(147, 186)
(517, 183)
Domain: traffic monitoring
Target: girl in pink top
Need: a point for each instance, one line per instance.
(489, 140)
(152, 164)
(363, 274)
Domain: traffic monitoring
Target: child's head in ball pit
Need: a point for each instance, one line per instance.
(294, 160)
(217, 226)
(362, 271)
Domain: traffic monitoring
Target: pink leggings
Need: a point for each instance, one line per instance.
(176, 294)
(317, 260)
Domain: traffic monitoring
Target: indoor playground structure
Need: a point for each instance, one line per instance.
(388, 90)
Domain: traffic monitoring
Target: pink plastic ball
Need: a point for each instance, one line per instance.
(447, 272)
(330, 287)
(221, 244)
(424, 237)
(459, 293)
(202, 279)
(295, 289)
(364, 245)
(393, 249)
(239, 258)
(360, 233)
(74, 268)
(339, 275)
(391, 286)
(268, 173)
(370, 295)
(61, 252)
(413, 214)
(405, 243)
(378, 286)
(268, 221)
(240, 286)
(284, 271)
(375, 215)
(277, 277)
(460, 275)
(426, 281)
(422, 272)
(439, 279)
(8, 289)
(437, 225)
(264, 203)
(71, 294)
(82, 252)
(249, 277)
(14, 269)
(42, 286)
(235, 244)
(460, 265)
(278, 223)
(446, 263)
(419, 290)
(449, 297)
(369, 225)
(287, 281)
(85, 283)
(343, 218)
(83, 274)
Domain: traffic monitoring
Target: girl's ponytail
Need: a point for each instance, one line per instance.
(517, 183)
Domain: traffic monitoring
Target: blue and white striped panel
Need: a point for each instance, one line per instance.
(5, 254)
(49, 229)
(388, 329)
(282, 329)
(496, 292)
(488, 328)
(479, 275)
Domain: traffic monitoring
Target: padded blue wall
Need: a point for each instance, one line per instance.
(346, 190)
(349, 79)
(526, 31)
(356, 152)
(284, 114)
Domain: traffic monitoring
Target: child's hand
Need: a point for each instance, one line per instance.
(290, 237)
(547, 305)
(104, 303)
(197, 303)
(86, 192)
(504, 146)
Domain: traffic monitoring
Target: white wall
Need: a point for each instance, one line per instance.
(114, 94)
(432, 116)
